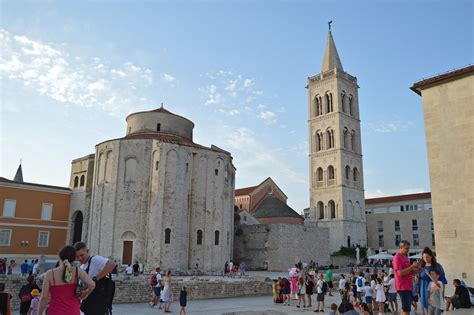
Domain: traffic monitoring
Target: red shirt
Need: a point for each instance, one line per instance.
(402, 283)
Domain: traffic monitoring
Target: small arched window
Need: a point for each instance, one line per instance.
(356, 174)
(329, 139)
(216, 238)
(329, 106)
(199, 237)
(332, 209)
(343, 102)
(320, 209)
(330, 172)
(76, 181)
(348, 172)
(167, 236)
(317, 101)
(216, 172)
(353, 140)
(351, 109)
(319, 174)
(83, 180)
(319, 141)
(344, 137)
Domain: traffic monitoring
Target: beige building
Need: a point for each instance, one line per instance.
(395, 218)
(448, 106)
(335, 157)
(155, 196)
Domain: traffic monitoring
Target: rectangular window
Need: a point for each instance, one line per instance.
(380, 226)
(381, 241)
(432, 224)
(414, 225)
(43, 239)
(9, 208)
(5, 237)
(433, 239)
(416, 240)
(397, 225)
(401, 208)
(47, 211)
(398, 238)
(158, 127)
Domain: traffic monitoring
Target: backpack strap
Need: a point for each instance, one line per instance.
(89, 264)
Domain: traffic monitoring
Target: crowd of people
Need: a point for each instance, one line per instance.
(27, 268)
(162, 287)
(418, 286)
(232, 269)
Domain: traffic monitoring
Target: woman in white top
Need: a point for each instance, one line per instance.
(166, 293)
(342, 283)
(380, 295)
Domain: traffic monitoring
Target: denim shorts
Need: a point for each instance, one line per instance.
(406, 297)
(156, 291)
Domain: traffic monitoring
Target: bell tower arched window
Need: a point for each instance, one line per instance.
(332, 209)
(330, 172)
(356, 174)
(348, 172)
(329, 105)
(353, 140)
(319, 141)
(319, 174)
(344, 137)
(320, 209)
(330, 139)
(351, 109)
(343, 102)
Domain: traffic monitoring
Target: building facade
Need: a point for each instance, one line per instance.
(448, 106)
(265, 203)
(395, 218)
(335, 157)
(156, 197)
(34, 219)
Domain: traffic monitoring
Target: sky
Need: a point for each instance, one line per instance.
(71, 71)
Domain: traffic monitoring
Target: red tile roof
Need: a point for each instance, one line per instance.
(244, 191)
(426, 195)
(418, 86)
(6, 180)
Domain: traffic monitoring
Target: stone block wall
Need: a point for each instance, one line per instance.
(137, 289)
(277, 247)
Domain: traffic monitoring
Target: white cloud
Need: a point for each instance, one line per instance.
(413, 190)
(254, 159)
(52, 72)
(390, 126)
(268, 117)
(375, 194)
(168, 77)
(248, 83)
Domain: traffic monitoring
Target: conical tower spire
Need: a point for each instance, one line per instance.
(331, 57)
(19, 175)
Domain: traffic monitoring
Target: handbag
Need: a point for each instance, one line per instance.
(79, 289)
(25, 298)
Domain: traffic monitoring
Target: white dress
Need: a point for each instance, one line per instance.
(380, 293)
(166, 295)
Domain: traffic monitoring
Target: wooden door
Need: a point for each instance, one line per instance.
(127, 252)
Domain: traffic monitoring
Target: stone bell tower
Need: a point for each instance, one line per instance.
(335, 153)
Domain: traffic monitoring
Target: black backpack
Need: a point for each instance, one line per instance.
(99, 302)
(325, 287)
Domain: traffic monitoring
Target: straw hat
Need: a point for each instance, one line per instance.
(35, 292)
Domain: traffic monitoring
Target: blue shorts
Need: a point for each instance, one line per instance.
(368, 299)
(156, 291)
(406, 298)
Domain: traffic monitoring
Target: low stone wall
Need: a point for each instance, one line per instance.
(137, 289)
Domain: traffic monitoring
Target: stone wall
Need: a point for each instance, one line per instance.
(278, 247)
(137, 289)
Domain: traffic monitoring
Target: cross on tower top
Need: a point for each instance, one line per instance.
(329, 24)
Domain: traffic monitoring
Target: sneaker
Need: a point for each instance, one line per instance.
(316, 311)
(156, 306)
(151, 304)
(297, 306)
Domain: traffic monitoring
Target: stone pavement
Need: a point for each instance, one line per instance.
(262, 305)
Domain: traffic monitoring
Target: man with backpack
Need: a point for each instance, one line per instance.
(99, 268)
(155, 283)
(360, 286)
(321, 289)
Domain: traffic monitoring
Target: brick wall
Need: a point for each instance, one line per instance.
(137, 289)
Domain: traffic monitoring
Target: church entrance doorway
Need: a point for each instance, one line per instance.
(127, 252)
(77, 227)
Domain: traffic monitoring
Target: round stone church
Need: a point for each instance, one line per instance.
(156, 197)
